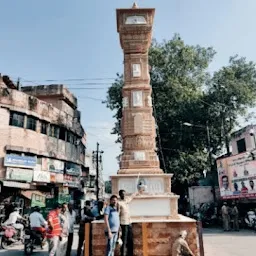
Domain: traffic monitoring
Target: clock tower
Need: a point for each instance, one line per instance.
(139, 165)
(138, 124)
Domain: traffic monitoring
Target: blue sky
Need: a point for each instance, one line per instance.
(63, 39)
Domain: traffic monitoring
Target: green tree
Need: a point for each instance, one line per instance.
(184, 91)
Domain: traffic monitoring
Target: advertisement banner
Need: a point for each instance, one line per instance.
(237, 177)
(52, 165)
(41, 176)
(19, 174)
(38, 200)
(20, 161)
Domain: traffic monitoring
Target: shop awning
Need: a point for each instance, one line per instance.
(28, 193)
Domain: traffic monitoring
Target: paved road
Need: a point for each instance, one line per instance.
(219, 243)
(216, 243)
(18, 250)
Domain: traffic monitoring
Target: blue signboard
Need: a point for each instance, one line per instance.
(20, 161)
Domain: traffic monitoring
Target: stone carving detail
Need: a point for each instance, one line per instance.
(136, 70)
(125, 102)
(149, 101)
(138, 123)
(139, 156)
(128, 185)
(137, 98)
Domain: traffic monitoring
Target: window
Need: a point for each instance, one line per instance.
(62, 133)
(31, 123)
(70, 138)
(241, 147)
(17, 119)
(44, 127)
(54, 131)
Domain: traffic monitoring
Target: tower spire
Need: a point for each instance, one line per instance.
(135, 6)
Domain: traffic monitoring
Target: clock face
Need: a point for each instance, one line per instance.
(139, 20)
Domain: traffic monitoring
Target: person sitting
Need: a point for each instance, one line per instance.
(37, 222)
(11, 221)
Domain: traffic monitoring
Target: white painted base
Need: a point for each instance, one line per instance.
(147, 207)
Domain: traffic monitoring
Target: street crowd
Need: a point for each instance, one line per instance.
(58, 228)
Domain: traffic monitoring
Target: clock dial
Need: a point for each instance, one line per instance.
(139, 20)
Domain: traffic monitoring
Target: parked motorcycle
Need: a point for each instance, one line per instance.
(250, 220)
(33, 240)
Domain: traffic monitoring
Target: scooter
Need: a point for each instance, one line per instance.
(9, 237)
(250, 220)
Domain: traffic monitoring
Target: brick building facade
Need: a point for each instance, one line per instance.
(42, 145)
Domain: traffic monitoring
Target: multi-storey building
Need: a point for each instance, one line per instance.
(42, 142)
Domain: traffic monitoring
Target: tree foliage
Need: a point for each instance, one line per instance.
(185, 92)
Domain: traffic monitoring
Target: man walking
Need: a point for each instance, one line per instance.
(125, 221)
(112, 222)
(86, 217)
(235, 217)
(225, 216)
(54, 229)
(62, 248)
(71, 215)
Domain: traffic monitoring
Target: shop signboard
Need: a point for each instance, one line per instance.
(237, 177)
(42, 176)
(20, 161)
(73, 169)
(64, 198)
(19, 174)
(71, 181)
(52, 165)
(56, 177)
(38, 200)
(14, 184)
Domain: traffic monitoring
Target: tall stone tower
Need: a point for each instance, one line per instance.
(138, 124)
(139, 162)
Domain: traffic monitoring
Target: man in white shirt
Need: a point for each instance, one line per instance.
(71, 215)
(13, 217)
(125, 222)
(37, 221)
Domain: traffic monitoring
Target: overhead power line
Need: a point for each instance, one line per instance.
(68, 80)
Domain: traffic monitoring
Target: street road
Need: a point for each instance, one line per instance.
(19, 250)
(217, 242)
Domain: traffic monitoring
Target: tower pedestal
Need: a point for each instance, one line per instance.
(156, 201)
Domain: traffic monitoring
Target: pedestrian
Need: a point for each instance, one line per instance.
(112, 222)
(71, 215)
(225, 216)
(125, 222)
(86, 217)
(54, 229)
(235, 217)
(62, 248)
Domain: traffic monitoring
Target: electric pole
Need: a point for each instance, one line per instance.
(97, 158)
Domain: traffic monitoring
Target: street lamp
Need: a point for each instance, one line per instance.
(209, 151)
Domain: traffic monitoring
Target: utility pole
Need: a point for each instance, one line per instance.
(97, 158)
(210, 160)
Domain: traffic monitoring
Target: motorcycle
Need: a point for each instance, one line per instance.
(10, 236)
(33, 240)
(250, 220)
